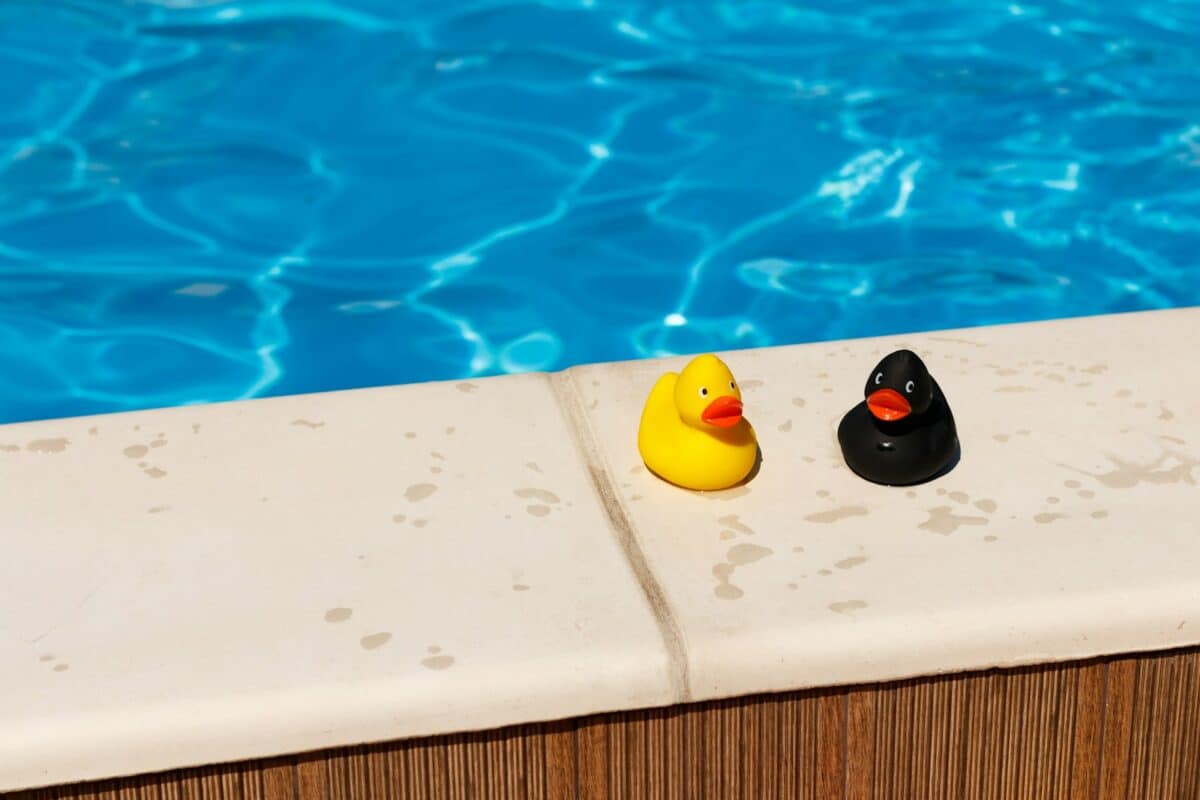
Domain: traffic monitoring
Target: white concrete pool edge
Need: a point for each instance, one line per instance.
(215, 583)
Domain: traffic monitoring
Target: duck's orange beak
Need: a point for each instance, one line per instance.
(888, 405)
(724, 412)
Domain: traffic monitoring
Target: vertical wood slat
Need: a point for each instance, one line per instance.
(860, 744)
(1089, 717)
(1125, 726)
(1118, 728)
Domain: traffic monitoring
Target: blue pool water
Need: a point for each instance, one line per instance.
(211, 200)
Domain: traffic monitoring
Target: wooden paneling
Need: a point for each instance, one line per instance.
(1123, 727)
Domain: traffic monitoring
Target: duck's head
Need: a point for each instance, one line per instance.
(898, 387)
(706, 395)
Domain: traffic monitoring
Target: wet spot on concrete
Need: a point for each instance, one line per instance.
(155, 472)
(533, 466)
(745, 553)
(786, 427)
(304, 423)
(466, 386)
(1054, 376)
(989, 538)
(419, 491)
(986, 506)
(195, 427)
(847, 606)
(836, 514)
(158, 443)
(727, 494)
(61, 667)
(942, 520)
(1047, 517)
(136, 451)
(399, 518)
(1086, 494)
(851, 562)
(1165, 414)
(341, 614)
(798, 549)
(375, 640)
(1000, 437)
(438, 662)
(450, 430)
(537, 494)
(751, 385)
(1124, 393)
(420, 523)
(825, 572)
(738, 556)
(822, 493)
(793, 585)
(1052, 500)
(1072, 484)
(520, 587)
(157, 509)
(724, 589)
(9, 448)
(959, 497)
(1095, 369)
(1170, 467)
(1099, 514)
(798, 402)
(910, 493)
(537, 510)
(46, 657)
(48, 446)
(410, 435)
(1014, 389)
(732, 521)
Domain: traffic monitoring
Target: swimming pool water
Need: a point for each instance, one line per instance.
(211, 200)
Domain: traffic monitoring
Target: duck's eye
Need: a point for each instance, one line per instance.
(879, 378)
(703, 391)
(731, 386)
(908, 387)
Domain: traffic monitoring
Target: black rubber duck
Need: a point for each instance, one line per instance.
(903, 433)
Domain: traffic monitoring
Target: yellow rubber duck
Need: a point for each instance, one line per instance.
(692, 431)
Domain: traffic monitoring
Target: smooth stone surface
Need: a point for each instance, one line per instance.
(1068, 529)
(221, 582)
(217, 583)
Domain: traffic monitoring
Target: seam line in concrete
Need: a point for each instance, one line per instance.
(570, 402)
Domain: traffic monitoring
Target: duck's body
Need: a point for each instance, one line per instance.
(692, 432)
(904, 432)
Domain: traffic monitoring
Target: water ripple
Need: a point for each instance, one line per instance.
(205, 199)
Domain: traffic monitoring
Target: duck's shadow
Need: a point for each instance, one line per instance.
(758, 459)
(753, 473)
